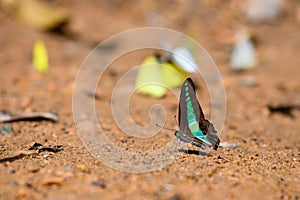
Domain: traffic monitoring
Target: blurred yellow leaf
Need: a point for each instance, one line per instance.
(36, 13)
(149, 79)
(172, 75)
(40, 57)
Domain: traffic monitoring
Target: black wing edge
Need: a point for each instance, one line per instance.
(211, 134)
(190, 81)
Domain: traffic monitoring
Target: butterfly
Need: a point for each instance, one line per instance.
(193, 127)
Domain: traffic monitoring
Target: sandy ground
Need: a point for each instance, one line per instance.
(265, 165)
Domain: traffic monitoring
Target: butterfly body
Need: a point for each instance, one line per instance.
(193, 127)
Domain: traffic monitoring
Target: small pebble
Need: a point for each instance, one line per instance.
(6, 129)
(69, 166)
(13, 183)
(249, 81)
(119, 160)
(29, 185)
(84, 168)
(33, 169)
(175, 197)
(52, 180)
(101, 183)
(169, 187)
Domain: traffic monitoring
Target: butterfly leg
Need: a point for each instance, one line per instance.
(180, 147)
(176, 146)
(193, 147)
(188, 148)
(176, 149)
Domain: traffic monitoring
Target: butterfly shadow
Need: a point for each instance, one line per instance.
(193, 152)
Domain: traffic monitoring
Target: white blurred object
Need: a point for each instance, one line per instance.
(263, 10)
(249, 81)
(228, 145)
(184, 59)
(155, 19)
(243, 55)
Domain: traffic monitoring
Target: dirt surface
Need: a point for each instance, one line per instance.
(265, 165)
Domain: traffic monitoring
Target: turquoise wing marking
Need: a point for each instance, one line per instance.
(193, 124)
(199, 134)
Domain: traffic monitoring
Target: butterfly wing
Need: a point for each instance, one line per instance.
(184, 133)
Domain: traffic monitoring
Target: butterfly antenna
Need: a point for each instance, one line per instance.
(169, 129)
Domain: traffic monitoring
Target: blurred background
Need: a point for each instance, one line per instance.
(254, 43)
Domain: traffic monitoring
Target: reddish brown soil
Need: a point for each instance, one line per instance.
(264, 166)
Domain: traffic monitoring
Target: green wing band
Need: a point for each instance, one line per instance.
(193, 124)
